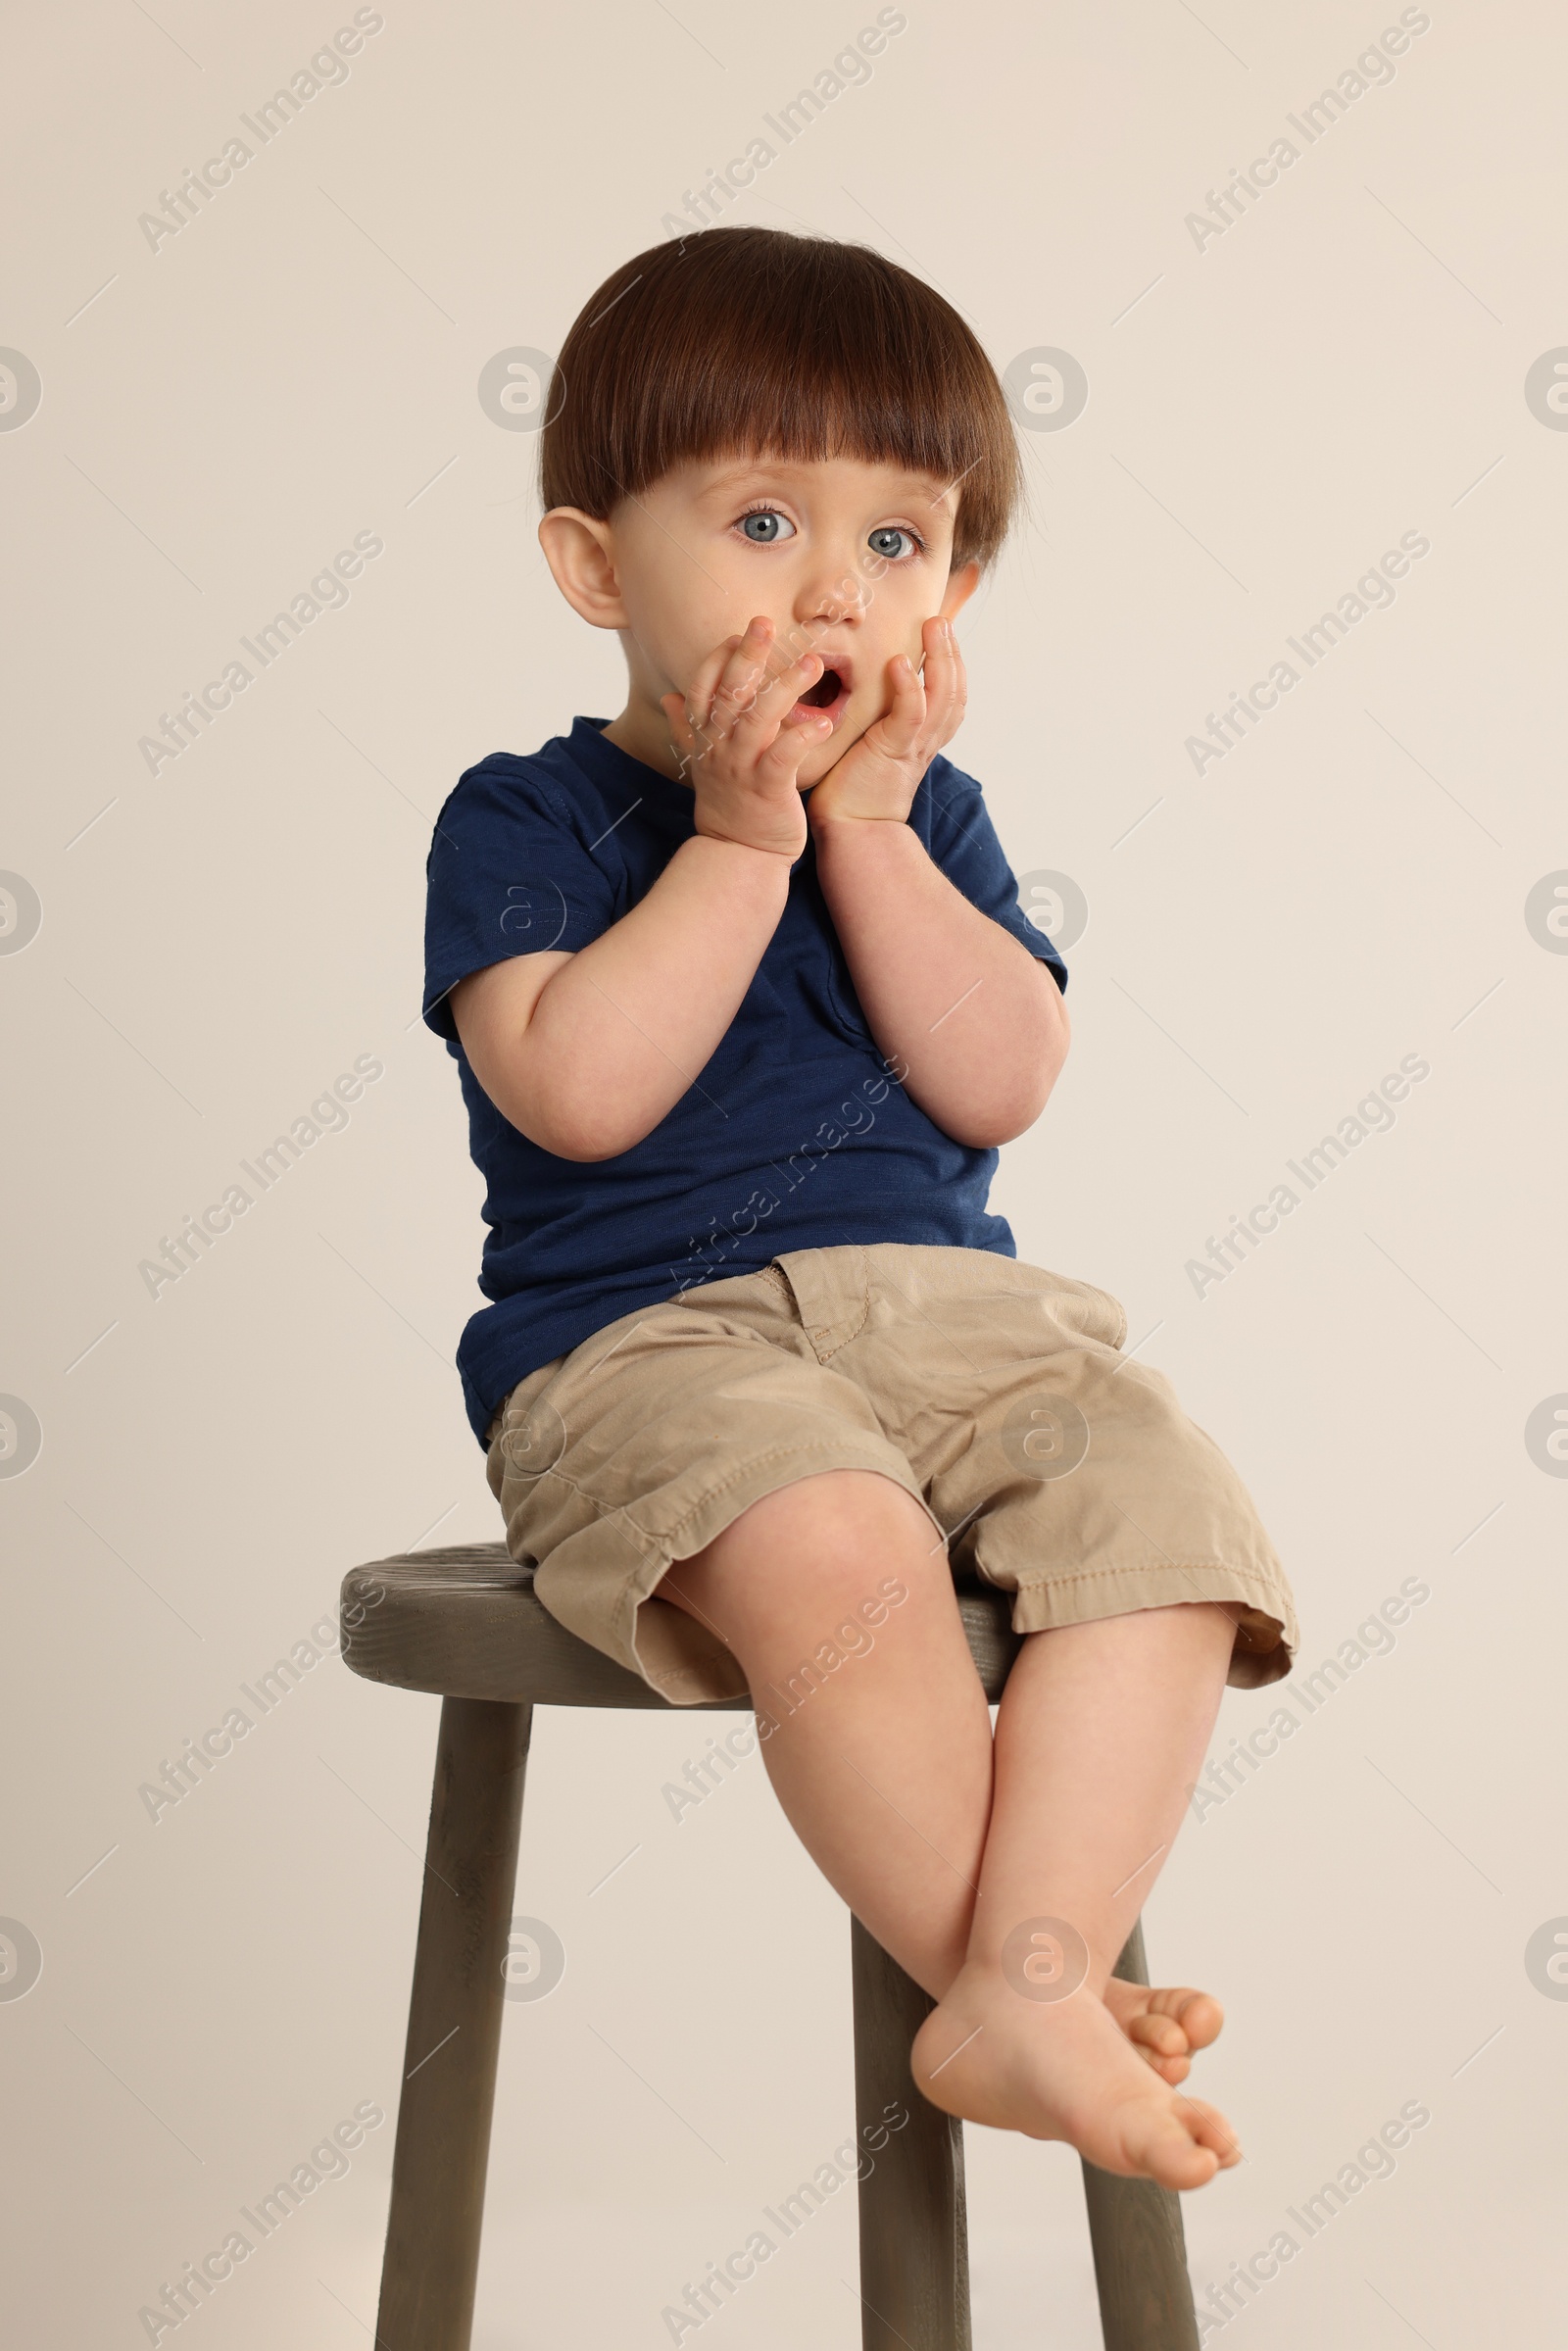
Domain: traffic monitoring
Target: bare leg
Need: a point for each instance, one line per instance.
(1100, 1731)
(884, 1764)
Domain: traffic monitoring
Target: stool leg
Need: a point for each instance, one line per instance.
(1146, 2296)
(455, 2011)
(914, 2246)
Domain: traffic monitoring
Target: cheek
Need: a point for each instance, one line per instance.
(878, 648)
(893, 626)
(672, 634)
(680, 600)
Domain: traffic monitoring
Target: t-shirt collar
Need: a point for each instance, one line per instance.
(618, 770)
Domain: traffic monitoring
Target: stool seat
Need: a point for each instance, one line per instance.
(465, 1624)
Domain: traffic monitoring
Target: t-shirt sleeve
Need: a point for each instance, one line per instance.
(509, 873)
(964, 844)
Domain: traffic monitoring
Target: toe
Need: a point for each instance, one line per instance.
(1211, 2130)
(1200, 2018)
(1165, 2148)
(1161, 2043)
(1161, 2033)
(1198, 2013)
(1183, 2163)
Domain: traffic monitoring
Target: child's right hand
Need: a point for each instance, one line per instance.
(737, 752)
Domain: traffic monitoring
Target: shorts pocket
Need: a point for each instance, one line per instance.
(1076, 1308)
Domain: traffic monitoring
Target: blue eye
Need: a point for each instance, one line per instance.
(766, 526)
(885, 542)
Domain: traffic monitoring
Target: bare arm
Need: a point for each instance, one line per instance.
(585, 1053)
(978, 1021)
(979, 1025)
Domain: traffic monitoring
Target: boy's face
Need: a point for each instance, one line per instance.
(847, 560)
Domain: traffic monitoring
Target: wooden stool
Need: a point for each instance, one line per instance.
(465, 1624)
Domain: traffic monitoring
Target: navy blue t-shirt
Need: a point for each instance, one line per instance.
(794, 1136)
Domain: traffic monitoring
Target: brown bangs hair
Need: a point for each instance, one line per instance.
(756, 340)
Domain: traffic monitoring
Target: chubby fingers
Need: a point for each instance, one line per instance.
(688, 715)
(756, 699)
(741, 671)
(740, 691)
(725, 680)
(927, 704)
(756, 672)
(735, 680)
(945, 684)
(778, 759)
(901, 728)
(702, 715)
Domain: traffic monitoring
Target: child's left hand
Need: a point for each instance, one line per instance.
(879, 774)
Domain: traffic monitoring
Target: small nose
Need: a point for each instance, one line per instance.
(831, 599)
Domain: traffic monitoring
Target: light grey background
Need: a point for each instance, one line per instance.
(1266, 414)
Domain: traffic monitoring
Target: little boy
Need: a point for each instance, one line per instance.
(743, 1001)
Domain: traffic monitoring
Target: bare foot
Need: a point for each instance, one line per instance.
(1165, 2023)
(1068, 2070)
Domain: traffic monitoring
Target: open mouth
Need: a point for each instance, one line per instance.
(829, 696)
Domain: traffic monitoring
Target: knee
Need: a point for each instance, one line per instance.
(828, 1519)
(842, 1531)
(831, 1558)
(867, 1557)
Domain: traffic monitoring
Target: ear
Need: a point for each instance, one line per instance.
(961, 585)
(581, 553)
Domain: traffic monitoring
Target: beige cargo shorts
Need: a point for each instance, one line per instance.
(1050, 1464)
